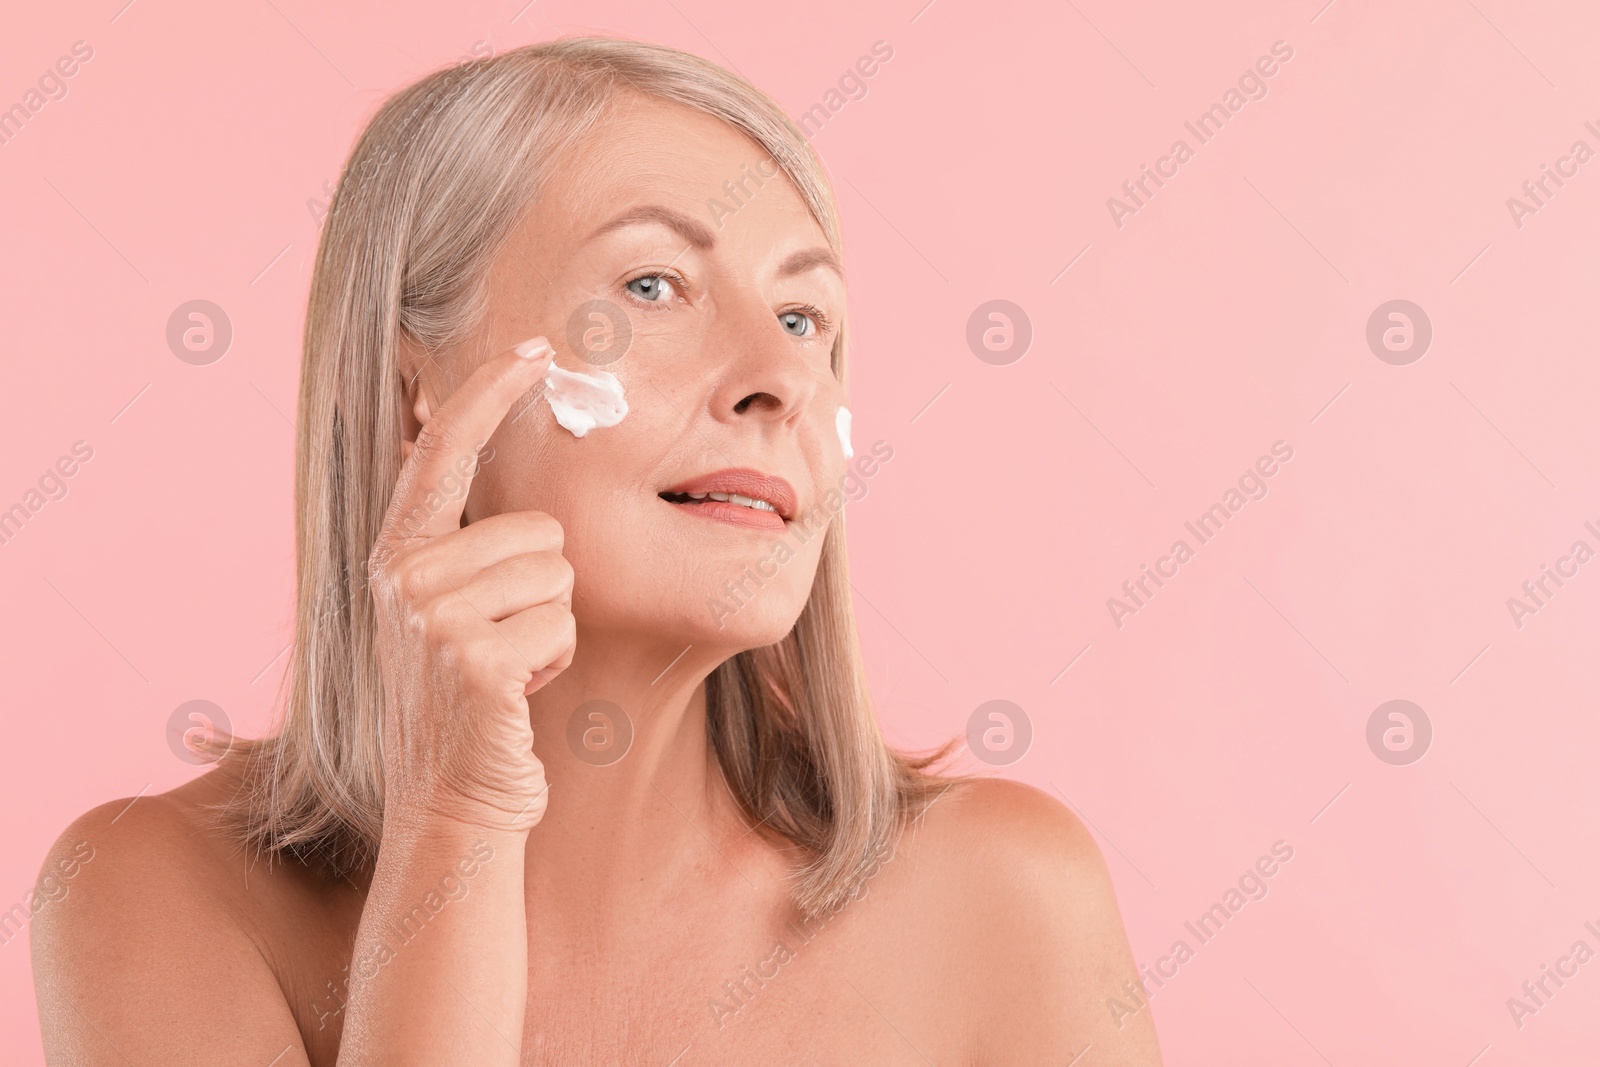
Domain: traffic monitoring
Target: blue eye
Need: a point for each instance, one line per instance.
(797, 323)
(652, 288)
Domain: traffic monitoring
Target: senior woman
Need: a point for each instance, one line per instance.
(577, 763)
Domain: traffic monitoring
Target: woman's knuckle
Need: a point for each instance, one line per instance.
(435, 438)
(566, 626)
(427, 619)
(565, 575)
(413, 580)
(545, 531)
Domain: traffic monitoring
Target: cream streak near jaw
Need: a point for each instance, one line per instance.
(841, 423)
(583, 402)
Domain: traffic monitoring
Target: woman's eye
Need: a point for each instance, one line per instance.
(797, 323)
(651, 287)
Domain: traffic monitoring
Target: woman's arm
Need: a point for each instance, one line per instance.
(470, 621)
(440, 969)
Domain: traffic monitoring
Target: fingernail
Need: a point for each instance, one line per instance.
(533, 349)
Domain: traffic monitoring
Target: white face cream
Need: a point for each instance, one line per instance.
(583, 402)
(841, 422)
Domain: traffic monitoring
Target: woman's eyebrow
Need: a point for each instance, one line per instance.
(692, 230)
(700, 236)
(804, 260)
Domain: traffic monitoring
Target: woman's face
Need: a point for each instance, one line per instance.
(670, 252)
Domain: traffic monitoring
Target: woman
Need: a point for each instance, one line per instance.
(648, 611)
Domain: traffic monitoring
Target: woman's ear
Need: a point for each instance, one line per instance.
(417, 385)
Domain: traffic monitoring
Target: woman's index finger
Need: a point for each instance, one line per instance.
(432, 488)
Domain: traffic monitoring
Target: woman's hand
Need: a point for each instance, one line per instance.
(469, 620)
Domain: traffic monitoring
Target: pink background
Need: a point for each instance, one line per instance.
(1228, 313)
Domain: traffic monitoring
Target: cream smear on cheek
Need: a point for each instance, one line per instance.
(583, 402)
(841, 423)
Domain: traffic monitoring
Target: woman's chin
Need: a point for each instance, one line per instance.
(717, 623)
(738, 626)
(739, 637)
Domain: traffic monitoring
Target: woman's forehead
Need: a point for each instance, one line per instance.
(672, 161)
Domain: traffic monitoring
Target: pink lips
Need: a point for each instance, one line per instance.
(741, 481)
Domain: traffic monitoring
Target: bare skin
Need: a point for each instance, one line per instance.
(581, 914)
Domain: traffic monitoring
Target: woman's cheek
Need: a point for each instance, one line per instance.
(833, 433)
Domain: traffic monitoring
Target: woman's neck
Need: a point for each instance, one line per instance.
(619, 827)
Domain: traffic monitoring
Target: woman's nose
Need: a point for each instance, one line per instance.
(765, 377)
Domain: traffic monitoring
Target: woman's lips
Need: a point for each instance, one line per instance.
(734, 514)
(738, 496)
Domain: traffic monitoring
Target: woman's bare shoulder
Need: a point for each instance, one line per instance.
(997, 865)
(1018, 883)
(173, 843)
(142, 930)
(993, 835)
(165, 842)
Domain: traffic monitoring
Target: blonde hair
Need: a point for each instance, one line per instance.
(434, 186)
